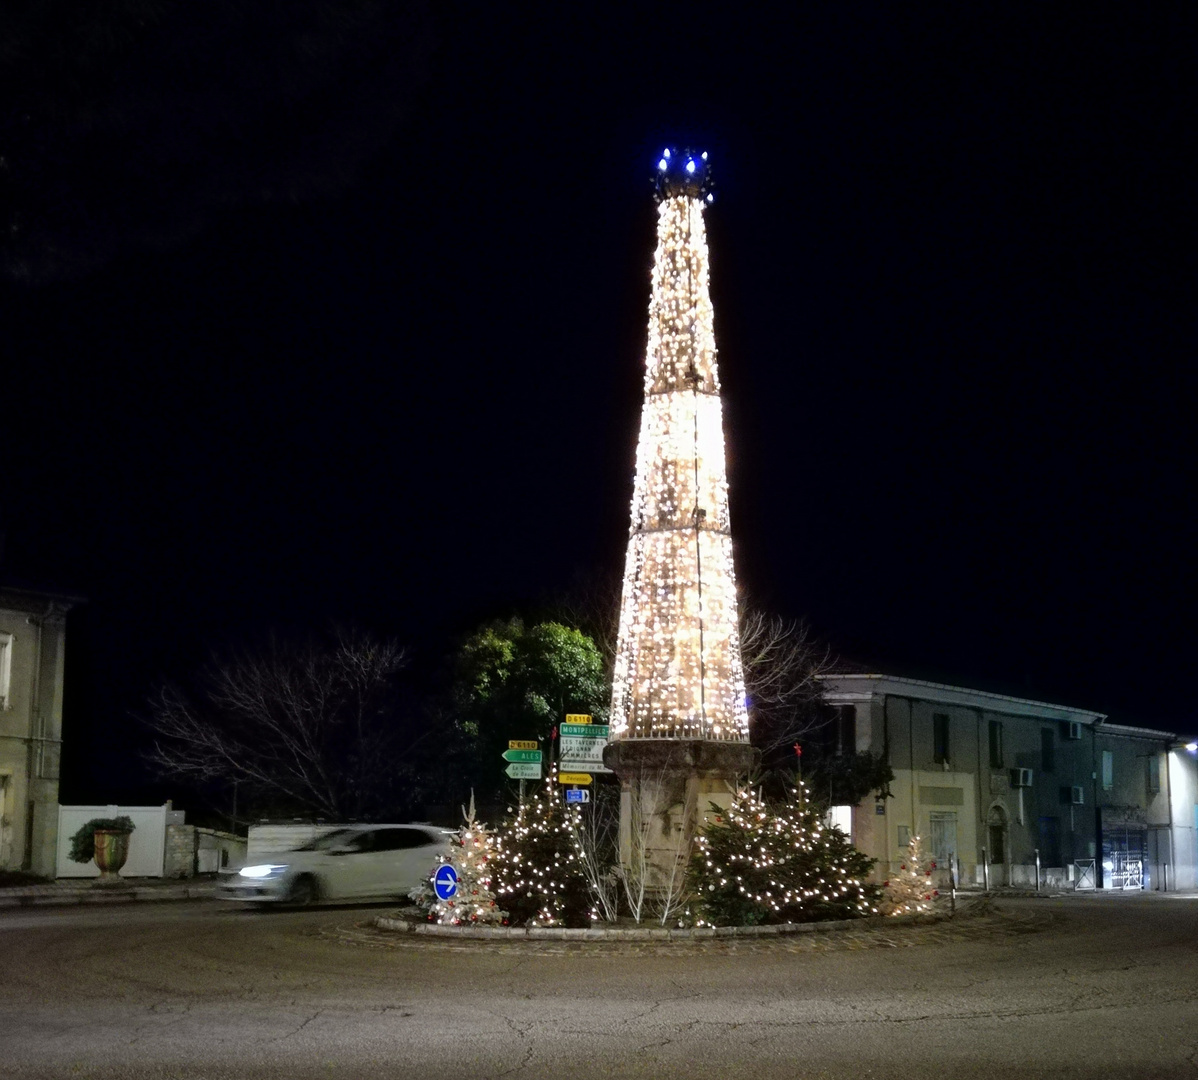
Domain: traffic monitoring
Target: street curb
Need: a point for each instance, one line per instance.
(657, 934)
(50, 896)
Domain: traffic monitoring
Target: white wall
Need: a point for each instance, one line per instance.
(147, 845)
(264, 839)
(1183, 790)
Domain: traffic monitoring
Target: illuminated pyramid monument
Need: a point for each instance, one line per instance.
(679, 724)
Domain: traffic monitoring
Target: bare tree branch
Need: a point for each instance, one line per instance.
(317, 727)
(781, 661)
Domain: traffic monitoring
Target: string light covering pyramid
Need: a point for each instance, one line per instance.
(678, 671)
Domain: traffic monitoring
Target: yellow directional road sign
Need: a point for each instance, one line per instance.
(574, 778)
(522, 744)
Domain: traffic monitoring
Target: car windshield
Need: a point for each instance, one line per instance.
(335, 839)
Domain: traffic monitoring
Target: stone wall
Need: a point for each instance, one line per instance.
(191, 850)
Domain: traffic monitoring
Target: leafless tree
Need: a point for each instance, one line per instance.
(595, 828)
(316, 727)
(781, 660)
(655, 877)
(634, 873)
(592, 604)
(669, 900)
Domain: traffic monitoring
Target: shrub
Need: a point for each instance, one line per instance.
(83, 843)
(756, 864)
(538, 873)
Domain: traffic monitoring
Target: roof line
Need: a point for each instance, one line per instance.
(946, 686)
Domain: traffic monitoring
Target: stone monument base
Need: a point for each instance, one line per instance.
(667, 787)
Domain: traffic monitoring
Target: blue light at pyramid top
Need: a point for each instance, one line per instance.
(683, 172)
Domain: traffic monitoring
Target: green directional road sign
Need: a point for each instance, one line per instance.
(523, 770)
(522, 755)
(587, 731)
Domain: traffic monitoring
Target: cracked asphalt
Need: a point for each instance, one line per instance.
(1088, 987)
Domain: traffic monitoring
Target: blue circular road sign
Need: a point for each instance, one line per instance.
(445, 882)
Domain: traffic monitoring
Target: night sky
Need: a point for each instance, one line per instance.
(337, 311)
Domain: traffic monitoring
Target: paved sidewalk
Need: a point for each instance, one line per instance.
(88, 891)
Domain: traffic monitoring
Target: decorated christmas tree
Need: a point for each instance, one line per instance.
(910, 891)
(758, 863)
(538, 872)
(472, 859)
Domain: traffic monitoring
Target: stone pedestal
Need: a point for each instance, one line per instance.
(667, 787)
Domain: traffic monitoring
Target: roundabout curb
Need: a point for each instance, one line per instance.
(657, 934)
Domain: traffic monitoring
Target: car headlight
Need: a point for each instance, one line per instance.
(266, 870)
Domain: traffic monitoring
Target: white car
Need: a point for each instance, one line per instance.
(359, 862)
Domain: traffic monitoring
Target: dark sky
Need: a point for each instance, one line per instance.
(337, 311)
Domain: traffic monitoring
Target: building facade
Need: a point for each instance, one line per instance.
(32, 651)
(1012, 791)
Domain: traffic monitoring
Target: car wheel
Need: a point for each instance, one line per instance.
(303, 892)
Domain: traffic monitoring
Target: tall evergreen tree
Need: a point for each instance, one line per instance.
(538, 873)
(755, 863)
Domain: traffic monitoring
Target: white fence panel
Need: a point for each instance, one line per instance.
(147, 845)
(264, 839)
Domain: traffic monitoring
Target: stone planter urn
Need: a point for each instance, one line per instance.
(112, 849)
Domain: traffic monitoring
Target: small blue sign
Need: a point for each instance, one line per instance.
(445, 882)
(575, 795)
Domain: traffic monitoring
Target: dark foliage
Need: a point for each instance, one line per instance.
(83, 843)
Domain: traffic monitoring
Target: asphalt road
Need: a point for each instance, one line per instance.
(1092, 987)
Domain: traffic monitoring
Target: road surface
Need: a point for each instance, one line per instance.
(1088, 987)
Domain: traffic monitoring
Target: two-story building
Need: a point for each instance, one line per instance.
(1014, 791)
(32, 644)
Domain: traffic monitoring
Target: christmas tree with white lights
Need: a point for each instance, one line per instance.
(473, 904)
(538, 870)
(758, 863)
(910, 891)
(678, 672)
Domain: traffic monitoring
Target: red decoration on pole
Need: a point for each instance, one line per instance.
(798, 750)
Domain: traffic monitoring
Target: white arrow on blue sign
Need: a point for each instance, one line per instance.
(445, 882)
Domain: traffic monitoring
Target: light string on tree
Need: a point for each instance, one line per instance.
(756, 863)
(538, 861)
(472, 857)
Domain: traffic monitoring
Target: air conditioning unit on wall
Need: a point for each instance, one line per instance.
(1021, 778)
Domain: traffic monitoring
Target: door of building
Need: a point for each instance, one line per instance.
(996, 849)
(943, 829)
(1123, 851)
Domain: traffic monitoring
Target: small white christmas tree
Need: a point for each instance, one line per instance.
(910, 891)
(474, 903)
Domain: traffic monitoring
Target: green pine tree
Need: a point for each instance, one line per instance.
(538, 873)
(755, 863)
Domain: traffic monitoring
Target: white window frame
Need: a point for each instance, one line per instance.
(5, 669)
(1108, 770)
